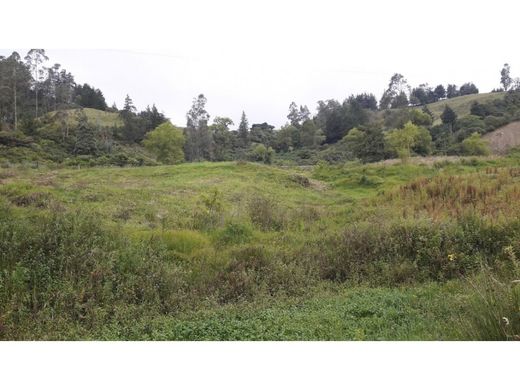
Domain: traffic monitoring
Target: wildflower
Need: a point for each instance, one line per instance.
(506, 320)
(451, 257)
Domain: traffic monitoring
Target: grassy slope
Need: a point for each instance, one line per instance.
(96, 118)
(462, 104)
(146, 199)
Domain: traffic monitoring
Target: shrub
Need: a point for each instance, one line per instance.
(234, 233)
(474, 145)
(265, 213)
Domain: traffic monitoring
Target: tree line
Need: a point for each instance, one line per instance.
(360, 126)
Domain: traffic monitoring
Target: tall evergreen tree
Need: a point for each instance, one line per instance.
(243, 131)
(85, 139)
(449, 117)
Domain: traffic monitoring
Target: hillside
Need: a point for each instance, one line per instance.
(504, 138)
(462, 104)
(96, 118)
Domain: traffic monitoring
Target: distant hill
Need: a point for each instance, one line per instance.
(96, 118)
(462, 104)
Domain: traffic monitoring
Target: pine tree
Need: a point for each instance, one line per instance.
(243, 131)
(85, 140)
(449, 117)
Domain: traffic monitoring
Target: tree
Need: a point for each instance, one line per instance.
(129, 105)
(262, 133)
(439, 92)
(284, 138)
(474, 145)
(15, 80)
(422, 95)
(468, 89)
(428, 112)
(152, 117)
(294, 114)
(34, 59)
(222, 138)
(401, 141)
(337, 119)
(505, 77)
(448, 116)
(452, 91)
(397, 89)
(423, 142)
(310, 135)
(166, 142)
(262, 153)
(365, 100)
(87, 96)
(199, 143)
(297, 115)
(365, 143)
(243, 131)
(132, 127)
(86, 140)
(401, 100)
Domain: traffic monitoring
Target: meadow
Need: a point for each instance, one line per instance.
(246, 251)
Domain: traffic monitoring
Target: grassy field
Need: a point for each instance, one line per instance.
(462, 104)
(229, 251)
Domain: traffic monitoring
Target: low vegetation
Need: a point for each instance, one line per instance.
(246, 251)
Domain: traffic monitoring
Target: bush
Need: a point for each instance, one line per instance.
(265, 213)
(234, 233)
(474, 145)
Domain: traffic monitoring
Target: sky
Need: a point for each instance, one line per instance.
(259, 56)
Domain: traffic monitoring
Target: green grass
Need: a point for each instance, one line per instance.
(429, 312)
(96, 118)
(462, 104)
(243, 251)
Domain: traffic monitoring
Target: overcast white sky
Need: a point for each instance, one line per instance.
(258, 56)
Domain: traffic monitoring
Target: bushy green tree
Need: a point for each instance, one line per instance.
(452, 91)
(474, 145)
(166, 142)
(468, 89)
(365, 143)
(401, 141)
(261, 153)
(222, 138)
(439, 92)
(284, 138)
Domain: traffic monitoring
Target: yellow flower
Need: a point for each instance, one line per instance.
(451, 257)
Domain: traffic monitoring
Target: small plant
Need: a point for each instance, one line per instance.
(211, 212)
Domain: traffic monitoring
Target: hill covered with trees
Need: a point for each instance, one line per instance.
(45, 116)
